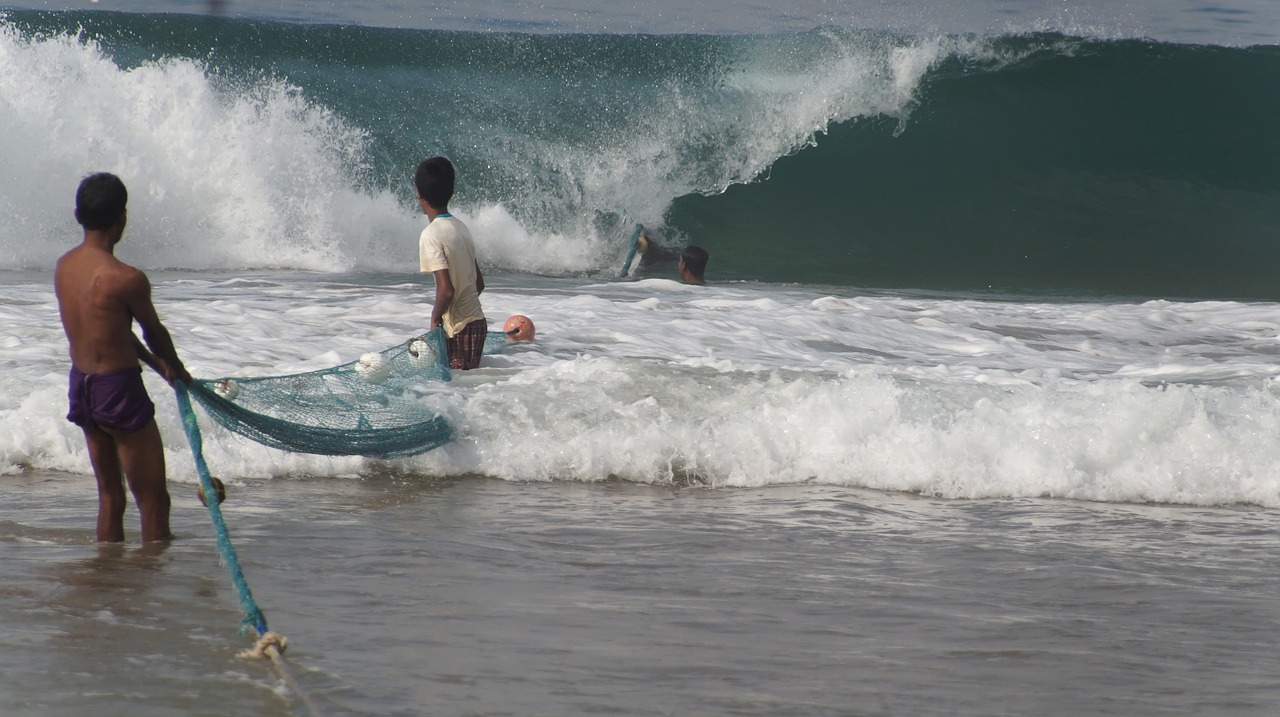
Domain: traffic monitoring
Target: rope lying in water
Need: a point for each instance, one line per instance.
(253, 616)
(270, 644)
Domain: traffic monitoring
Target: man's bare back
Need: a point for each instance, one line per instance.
(99, 298)
(95, 292)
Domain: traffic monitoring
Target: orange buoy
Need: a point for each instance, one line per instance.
(518, 328)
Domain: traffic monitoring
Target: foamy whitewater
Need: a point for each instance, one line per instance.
(977, 416)
(738, 385)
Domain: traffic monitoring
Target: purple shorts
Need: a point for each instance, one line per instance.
(466, 347)
(116, 400)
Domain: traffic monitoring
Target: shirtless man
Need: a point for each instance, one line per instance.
(99, 298)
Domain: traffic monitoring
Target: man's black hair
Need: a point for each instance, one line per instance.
(434, 180)
(695, 260)
(100, 201)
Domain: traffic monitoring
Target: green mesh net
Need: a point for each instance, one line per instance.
(374, 406)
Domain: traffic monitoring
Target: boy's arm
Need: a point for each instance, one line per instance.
(145, 355)
(162, 357)
(444, 296)
(479, 280)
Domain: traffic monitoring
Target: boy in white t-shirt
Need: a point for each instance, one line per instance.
(446, 251)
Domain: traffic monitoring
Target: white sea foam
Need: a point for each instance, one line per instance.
(731, 385)
(654, 381)
(219, 177)
(256, 174)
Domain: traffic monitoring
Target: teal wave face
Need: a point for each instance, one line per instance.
(1040, 163)
(573, 137)
(1123, 168)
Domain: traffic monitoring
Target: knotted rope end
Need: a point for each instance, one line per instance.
(268, 641)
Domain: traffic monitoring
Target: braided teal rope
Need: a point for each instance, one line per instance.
(253, 616)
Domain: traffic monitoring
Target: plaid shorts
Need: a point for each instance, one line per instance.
(466, 347)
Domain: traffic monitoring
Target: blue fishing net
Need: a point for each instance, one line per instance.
(373, 406)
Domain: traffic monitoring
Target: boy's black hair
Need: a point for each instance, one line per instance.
(100, 200)
(434, 180)
(695, 260)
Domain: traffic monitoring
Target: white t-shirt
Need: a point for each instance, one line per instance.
(446, 244)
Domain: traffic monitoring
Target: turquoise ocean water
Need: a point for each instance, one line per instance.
(848, 155)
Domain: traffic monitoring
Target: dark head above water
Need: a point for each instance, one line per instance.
(693, 265)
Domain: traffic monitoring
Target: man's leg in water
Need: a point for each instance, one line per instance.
(111, 497)
(141, 454)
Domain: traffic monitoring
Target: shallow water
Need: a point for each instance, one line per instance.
(754, 498)
(403, 595)
(667, 505)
